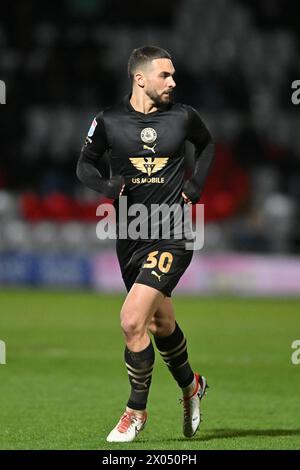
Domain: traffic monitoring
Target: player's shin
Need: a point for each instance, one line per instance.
(173, 350)
(139, 368)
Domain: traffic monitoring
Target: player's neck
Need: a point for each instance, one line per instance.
(142, 103)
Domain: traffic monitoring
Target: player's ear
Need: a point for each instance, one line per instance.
(140, 79)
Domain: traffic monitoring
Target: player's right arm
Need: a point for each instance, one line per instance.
(94, 147)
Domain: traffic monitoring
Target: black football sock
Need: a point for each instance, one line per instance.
(139, 367)
(173, 350)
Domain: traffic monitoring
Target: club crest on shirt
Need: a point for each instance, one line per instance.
(148, 135)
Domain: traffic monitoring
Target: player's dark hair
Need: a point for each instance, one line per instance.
(142, 55)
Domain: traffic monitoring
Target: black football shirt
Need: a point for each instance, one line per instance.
(147, 149)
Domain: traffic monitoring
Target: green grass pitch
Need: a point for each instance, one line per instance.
(64, 385)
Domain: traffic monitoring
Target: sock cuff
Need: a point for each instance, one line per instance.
(136, 406)
(141, 356)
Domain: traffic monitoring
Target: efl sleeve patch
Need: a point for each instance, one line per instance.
(92, 128)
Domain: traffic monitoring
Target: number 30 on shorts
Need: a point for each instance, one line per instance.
(163, 263)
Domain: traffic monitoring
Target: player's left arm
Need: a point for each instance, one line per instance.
(198, 134)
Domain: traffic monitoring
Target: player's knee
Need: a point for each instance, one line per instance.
(131, 328)
(130, 324)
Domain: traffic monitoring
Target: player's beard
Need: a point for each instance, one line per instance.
(160, 100)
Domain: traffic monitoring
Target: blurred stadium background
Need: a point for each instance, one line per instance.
(235, 62)
(62, 62)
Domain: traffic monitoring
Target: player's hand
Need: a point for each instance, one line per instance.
(186, 199)
(190, 192)
(114, 187)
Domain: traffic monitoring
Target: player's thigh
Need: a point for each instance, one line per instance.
(139, 307)
(163, 320)
(165, 310)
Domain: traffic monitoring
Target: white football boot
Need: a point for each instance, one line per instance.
(191, 407)
(129, 426)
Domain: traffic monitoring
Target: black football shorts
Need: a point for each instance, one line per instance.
(159, 264)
